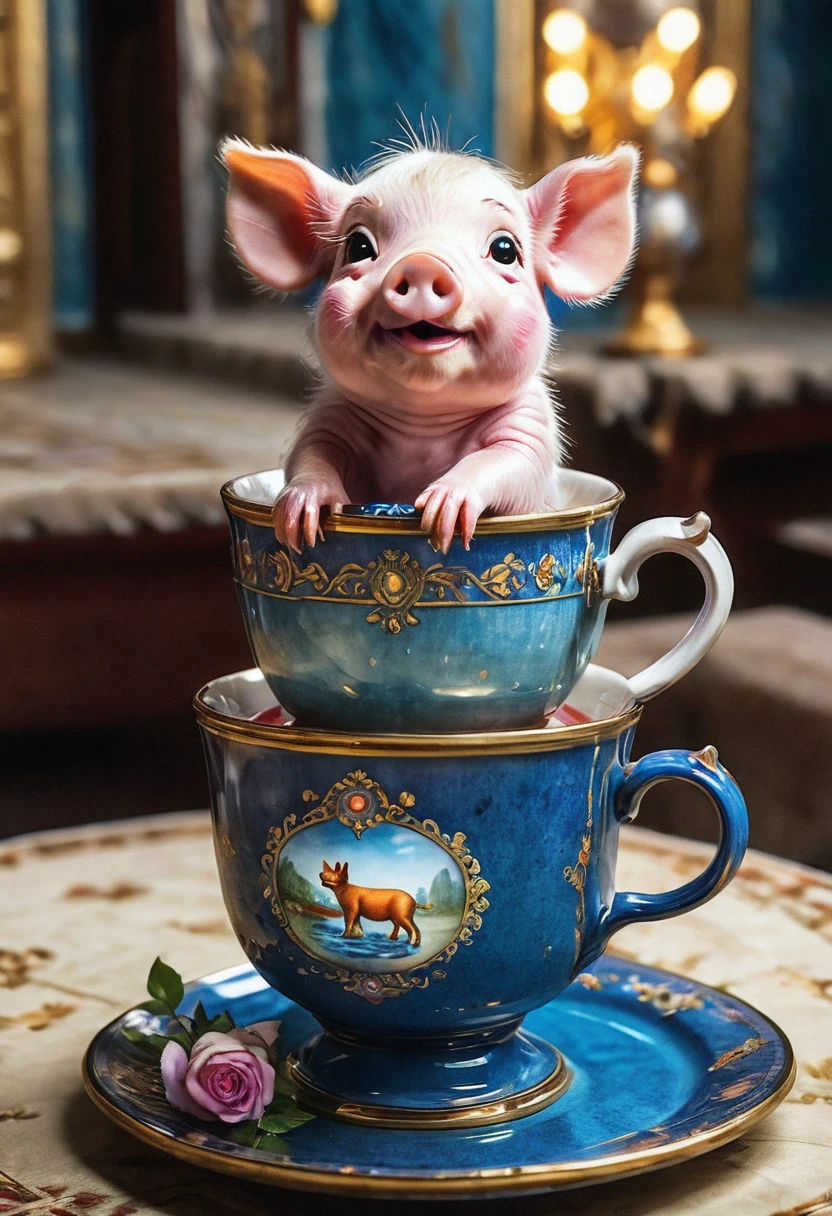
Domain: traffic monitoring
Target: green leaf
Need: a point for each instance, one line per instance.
(282, 1115)
(222, 1023)
(159, 1007)
(165, 984)
(145, 1041)
(246, 1133)
(274, 1144)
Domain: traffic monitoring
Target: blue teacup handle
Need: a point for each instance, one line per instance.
(691, 538)
(703, 770)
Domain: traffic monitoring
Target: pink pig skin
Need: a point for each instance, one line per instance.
(432, 329)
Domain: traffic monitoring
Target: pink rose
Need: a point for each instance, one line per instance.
(228, 1076)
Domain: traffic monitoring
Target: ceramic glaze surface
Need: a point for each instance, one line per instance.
(378, 632)
(431, 901)
(373, 630)
(648, 1089)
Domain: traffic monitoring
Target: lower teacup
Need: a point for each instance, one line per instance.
(420, 894)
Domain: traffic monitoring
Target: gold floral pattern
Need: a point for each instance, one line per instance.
(394, 583)
(575, 874)
(38, 1019)
(361, 804)
(549, 574)
(665, 998)
(16, 965)
(754, 1043)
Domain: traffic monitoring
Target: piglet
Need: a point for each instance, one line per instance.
(431, 330)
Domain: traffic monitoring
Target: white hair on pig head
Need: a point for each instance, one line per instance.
(435, 262)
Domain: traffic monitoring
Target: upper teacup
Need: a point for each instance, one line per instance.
(375, 631)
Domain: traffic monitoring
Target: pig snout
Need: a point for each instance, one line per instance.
(421, 287)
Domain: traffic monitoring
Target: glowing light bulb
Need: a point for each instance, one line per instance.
(712, 93)
(678, 29)
(652, 88)
(566, 91)
(660, 173)
(564, 31)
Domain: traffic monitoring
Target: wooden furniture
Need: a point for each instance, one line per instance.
(118, 599)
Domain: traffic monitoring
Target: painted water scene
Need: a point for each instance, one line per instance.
(386, 902)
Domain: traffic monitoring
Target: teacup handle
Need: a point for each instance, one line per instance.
(692, 539)
(704, 770)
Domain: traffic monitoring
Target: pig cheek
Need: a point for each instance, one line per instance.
(336, 315)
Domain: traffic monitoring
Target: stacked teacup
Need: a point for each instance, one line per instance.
(417, 796)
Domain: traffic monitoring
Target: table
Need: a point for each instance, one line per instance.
(86, 910)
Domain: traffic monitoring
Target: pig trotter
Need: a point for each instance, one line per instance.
(444, 506)
(297, 512)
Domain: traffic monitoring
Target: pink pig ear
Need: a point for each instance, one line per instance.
(583, 214)
(277, 205)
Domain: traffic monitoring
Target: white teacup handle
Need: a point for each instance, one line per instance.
(692, 539)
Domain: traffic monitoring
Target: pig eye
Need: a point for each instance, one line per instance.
(358, 247)
(504, 250)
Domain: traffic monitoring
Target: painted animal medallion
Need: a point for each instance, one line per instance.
(361, 884)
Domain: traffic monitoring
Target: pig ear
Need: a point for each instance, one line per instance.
(278, 207)
(583, 214)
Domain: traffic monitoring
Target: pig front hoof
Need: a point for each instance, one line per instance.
(297, 513)
(446, 507)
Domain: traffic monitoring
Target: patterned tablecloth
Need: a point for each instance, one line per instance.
(85, 911)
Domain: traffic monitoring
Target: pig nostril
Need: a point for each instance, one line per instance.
(403, 287)
(441, 288)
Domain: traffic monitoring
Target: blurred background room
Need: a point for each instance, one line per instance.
(140, 368)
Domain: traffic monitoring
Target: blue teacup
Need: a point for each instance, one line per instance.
(375, 631)
(420, 894)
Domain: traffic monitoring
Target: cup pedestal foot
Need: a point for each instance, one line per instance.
(428, 1087)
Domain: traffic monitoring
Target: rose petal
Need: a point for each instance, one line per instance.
(256, 1079)
(215, 1041)
(267, 1031)
(174, 1066)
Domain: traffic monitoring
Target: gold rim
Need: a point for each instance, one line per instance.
(344, 743)
(517, 1106)
(488, 1181)
(550, 521)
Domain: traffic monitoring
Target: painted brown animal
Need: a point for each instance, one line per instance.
(374, 903)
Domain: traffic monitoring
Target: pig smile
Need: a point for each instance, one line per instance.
(424, 337)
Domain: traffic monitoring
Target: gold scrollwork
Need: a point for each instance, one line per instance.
(394, 583)
(575, 875)
(361, 804)
(588, 574)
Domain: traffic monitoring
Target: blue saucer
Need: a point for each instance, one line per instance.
(663, 1069)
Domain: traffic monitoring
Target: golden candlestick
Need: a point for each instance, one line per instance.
(651, 94)
(25, 220)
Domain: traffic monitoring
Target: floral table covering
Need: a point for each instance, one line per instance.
(85, 911)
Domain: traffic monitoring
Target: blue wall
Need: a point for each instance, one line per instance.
(433, 57)
(70, 152)
(792, 149)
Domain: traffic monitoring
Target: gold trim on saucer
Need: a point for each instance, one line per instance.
(405, 1118)
(344, 743)
(468, 1182)
(547, 521)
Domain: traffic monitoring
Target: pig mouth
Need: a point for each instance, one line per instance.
(425, 337)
